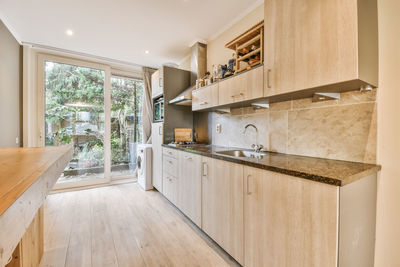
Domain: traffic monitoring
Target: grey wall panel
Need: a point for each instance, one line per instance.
(10, 89)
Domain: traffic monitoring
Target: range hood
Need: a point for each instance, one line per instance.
(198, 68)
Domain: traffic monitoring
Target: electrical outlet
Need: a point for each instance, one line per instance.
(218, 128)
(16, 140)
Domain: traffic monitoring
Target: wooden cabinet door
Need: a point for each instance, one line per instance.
(189, 201)
(205, 97)
(309, 43)
(289, 221)
(225, 91)
(222, 204)
(244, 86)
(170, 188)
(254, 83)
(157, 139)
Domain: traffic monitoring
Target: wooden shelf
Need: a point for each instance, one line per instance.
(250, 65)
(249, 54)
(251, 41)
(253, 36)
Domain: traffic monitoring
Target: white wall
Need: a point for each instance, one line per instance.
(387, 252)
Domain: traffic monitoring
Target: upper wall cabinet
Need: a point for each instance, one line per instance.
(241, 87)
(156, 83)
(311, 45)
(205, 97)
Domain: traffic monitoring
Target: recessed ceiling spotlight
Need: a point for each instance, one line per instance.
(147, 51)
(69, 32)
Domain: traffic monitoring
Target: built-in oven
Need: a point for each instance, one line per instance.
(158, 109)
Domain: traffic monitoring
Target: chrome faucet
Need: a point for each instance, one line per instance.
(257, 147)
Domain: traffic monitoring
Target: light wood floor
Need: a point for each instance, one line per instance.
(122, 226)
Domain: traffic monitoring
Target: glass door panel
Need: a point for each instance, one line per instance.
(126, 125)
(74, 114)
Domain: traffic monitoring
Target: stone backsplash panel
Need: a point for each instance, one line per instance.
(344, 129)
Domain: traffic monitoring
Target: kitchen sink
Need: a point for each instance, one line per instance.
(242, 153)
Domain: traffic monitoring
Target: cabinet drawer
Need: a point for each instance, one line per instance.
(170, 166)
(173, 153)
(205, 97)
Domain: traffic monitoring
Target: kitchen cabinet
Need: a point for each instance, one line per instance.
(157, 140)
(157, 83)
(320, 45)
(189, 196)
(242, 87)
(222, 204)
(170, 188)
(170, 177)
(289, 221)
(205, 97)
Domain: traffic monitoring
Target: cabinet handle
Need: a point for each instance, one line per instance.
(238, 95)
(248, 185)
(204, 103)
(188, 158)
(205, 169)
(160, 130)
(170, 162)
(268, 74)
(160, 82)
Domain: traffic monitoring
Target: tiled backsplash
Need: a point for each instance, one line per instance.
(342, 129)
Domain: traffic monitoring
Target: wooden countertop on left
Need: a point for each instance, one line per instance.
(26, 177)
(21, 167)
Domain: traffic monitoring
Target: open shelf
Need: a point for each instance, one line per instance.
(244, 42)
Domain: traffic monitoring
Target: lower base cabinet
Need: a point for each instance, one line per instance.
(189, 186)
(264, 218)
(170, 188)
(289, 221)
(222, 205)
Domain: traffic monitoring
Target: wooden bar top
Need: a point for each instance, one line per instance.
(21, 167)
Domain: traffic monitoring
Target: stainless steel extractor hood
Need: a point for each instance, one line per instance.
(198, 68)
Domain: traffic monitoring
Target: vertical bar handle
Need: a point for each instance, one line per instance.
(160, 82)
(160, 130)
(268, 78)
(248, 185)
(205, 169)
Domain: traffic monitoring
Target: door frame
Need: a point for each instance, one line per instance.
(42, 58)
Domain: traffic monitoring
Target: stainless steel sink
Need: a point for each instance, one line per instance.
(242, 153)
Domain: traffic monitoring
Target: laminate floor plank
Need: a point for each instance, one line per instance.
(122, 225)
(57, 231)
(103, 248)
(79, 253)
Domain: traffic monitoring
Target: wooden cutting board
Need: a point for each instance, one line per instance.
(183, 135)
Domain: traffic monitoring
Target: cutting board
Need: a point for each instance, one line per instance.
(183, 135)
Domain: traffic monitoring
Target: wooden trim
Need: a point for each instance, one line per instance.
(251, 41)
(252, 29)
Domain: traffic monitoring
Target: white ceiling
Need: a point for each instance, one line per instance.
(123, 29)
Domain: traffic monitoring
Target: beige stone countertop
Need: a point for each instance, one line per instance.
(334, 172)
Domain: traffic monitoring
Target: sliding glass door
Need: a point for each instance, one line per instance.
(98, 114)
(126, 125)
(74, 114)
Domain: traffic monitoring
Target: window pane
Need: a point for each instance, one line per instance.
(74, 104)
(126, 124)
